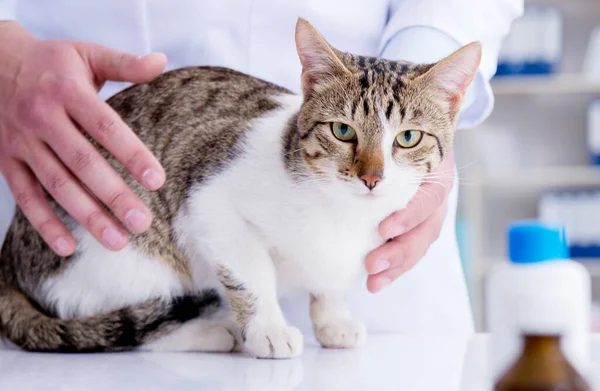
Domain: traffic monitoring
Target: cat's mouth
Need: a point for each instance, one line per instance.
(370, 194)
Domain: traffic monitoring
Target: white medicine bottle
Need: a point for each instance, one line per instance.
(537, 291)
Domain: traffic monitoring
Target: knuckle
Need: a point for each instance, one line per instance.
(121, 60)
(104, 127)
(56, 182)
(115, 199)
(133, 158)
(65, 89)
(13, 144)
(56, 49)
(49, 84)
(399, 251)
(91, 219)
(81, 160)
(57, 87)
(24, 199)
(32, 110)
(411, 259)
(47, 227)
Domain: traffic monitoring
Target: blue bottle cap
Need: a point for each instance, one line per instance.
(535, 241)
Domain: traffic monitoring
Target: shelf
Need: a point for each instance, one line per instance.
(564, 3)
(544, 85)
(569, 2)
(559, 176)
(592, 265)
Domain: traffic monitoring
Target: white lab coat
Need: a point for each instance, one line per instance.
(257, 37)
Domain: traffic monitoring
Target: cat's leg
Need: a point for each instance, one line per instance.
(198, 335)
(247, 272)
(333, 325)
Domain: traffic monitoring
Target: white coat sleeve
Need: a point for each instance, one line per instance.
(427, 30)
(7, 8)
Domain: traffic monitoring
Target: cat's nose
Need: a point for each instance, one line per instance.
(370, 180)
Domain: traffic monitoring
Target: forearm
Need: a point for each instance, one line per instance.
(464, 21)
(428, 45)
(15, 41)
(423, 32)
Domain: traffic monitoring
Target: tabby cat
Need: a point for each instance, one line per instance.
(267, 192)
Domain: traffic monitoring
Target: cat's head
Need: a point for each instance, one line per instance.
(372, 126)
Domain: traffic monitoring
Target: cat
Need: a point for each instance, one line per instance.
(267, 192)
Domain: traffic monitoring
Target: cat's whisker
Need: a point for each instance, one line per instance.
(443, 175)
(465, 166)
(460, 182)
(295, 151)
(446, 184)
(311, 181)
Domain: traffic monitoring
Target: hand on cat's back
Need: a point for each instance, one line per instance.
(48, 101)
(411, 231)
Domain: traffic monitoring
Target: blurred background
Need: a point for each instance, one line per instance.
(538, 155)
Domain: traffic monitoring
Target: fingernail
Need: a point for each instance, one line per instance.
(150, 54)
(380, 266)
(383, 283)
(136, 219)
(151, 179)
(394, 231)
(62, 245)
(112, 238)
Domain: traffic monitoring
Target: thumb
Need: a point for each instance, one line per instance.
(109, 64)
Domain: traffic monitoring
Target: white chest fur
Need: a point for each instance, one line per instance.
(317, 241)
(322, 252)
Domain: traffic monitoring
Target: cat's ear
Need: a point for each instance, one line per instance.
(319, 60)
(452, 76)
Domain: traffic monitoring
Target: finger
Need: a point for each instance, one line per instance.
(101, 122)
(110, 64)
(86, 163)
(32, 202)
(77, 202)
(430, 196)
(402, 253)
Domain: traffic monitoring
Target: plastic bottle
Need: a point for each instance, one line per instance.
(539, 295)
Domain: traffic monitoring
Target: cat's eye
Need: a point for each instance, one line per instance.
(409, 138)
(343, 132)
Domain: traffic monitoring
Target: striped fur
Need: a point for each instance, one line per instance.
(29, 327)
(217, 131)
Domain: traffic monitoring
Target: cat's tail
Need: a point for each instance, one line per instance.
(27, 326)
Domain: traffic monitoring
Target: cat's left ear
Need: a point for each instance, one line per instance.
(452, 76)
(320, 63)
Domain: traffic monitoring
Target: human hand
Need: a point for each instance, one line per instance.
(413, 229)
(48, 98)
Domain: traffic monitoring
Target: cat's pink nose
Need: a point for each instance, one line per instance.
(370, 180)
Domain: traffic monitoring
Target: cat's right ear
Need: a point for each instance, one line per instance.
(451, 76)
(320, 64)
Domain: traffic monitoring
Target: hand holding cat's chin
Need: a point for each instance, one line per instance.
(411, 231)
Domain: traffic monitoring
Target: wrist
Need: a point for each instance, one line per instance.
(16, 42)
(12, 32)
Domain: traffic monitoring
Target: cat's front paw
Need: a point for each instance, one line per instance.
(274, 342)
(341, 333)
